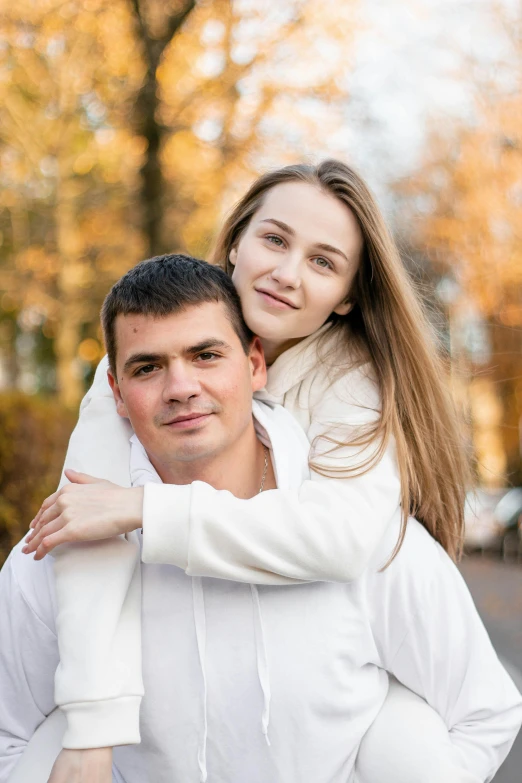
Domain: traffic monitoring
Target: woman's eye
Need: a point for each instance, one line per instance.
(275, 240)
(323, 263)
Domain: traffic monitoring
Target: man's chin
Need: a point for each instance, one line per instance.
(190, 451)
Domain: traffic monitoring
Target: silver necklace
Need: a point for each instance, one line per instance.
(265, 469)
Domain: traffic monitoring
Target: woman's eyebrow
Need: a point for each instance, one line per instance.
(331, 249)
(291, 232)
(283, 226)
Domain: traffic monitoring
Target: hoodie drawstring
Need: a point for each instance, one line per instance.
(200, 622)
(262, 662)
(263, 672)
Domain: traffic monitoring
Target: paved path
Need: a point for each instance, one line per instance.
(497, 590)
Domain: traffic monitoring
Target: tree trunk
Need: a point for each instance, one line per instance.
(69, 381)
(145, 120)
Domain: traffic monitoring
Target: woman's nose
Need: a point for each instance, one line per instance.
(288, 272)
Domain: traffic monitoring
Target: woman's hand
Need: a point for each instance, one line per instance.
(87, 509)
(83, 766)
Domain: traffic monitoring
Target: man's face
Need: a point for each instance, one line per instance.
(185, 383)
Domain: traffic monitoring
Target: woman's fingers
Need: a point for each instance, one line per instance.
(39, 537)
(45, 517)
(49, 543)
(88, 512)
(45, 505)
(76, 477)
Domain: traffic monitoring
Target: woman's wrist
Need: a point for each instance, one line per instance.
(131, 516)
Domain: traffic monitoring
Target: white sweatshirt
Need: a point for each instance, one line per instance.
(230, 668)
(320, 529)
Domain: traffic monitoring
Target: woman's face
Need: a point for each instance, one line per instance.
(295, 264)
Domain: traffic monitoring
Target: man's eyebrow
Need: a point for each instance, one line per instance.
(142, 358)
(152, 358)
(321, 245)
(205, 345)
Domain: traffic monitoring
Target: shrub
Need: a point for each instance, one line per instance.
(34, 432)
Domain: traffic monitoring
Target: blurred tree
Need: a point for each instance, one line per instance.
(126, 128)
(66, 159)
(247, 86)
(33, 441)
(464, 206)
(156, 24)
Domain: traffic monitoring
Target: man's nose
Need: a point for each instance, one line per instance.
(181, 384)
(289, 270)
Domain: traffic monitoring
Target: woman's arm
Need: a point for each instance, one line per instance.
(98, 682)
(324, 531)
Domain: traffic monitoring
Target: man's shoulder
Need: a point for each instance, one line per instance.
(417, 589)
(419, 561)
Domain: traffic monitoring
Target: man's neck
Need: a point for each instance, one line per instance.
(240, 469)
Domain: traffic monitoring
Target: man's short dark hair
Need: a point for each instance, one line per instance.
(167, 284)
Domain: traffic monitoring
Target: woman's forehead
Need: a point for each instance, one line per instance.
(312, 213)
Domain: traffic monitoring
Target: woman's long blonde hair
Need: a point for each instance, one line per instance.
(388, 323)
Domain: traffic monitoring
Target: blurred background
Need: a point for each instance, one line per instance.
(129, 128)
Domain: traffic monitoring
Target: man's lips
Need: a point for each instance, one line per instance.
(187, 421)
(276, 300)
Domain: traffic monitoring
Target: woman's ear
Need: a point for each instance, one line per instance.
(232, 256)
(345, 307)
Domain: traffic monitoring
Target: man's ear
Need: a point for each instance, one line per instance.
(256, 357)
(120, 405)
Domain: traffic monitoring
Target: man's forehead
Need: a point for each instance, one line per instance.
(177, 331)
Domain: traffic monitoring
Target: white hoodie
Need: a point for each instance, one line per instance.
(230, 668)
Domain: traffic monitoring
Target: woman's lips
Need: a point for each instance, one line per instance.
(273, 301)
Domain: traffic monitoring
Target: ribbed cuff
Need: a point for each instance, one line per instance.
(166, 518)
(102, 724)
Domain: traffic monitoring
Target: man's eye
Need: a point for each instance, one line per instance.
(207, 356)
(145, 370)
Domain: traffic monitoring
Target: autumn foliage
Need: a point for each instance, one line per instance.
(33, 440)
(125, 130)
(463, 208)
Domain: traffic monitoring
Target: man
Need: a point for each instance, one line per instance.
(267, 684)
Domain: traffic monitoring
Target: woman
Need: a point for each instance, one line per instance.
(351, 356)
